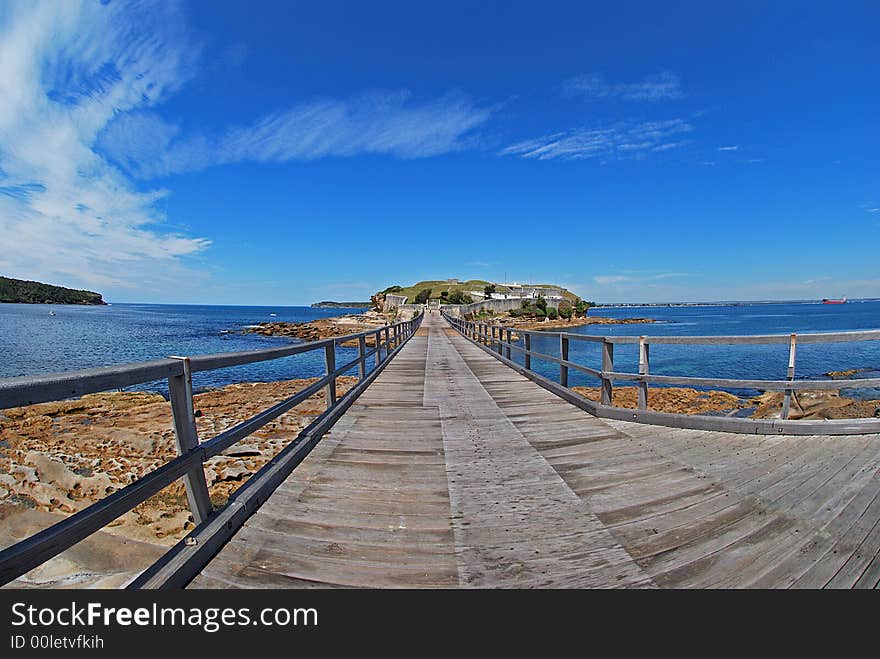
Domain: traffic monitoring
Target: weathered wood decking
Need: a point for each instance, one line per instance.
(453, 470)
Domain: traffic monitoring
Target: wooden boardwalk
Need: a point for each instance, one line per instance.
(452, 470)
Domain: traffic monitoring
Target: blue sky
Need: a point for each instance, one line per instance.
(280, 153)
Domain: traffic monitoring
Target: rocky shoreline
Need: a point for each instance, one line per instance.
(806, 405)
(325, 328)
(62, 457)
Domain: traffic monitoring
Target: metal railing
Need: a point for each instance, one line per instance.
(497, 340)
(35, 550)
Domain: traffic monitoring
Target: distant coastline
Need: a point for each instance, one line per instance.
(23, 291)
(729, 303)
(328, 304)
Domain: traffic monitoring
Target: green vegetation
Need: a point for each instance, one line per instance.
(565, 309)
(538, 309)
(582, 306)
(437, 286)
(34, 292)
(423, 296)
(457, 297)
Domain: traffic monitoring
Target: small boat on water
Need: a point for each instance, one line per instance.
(833, 301)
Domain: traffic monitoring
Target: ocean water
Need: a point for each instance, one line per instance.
(32, 341)
(766, 362)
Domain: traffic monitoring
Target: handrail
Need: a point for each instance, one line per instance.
(492, 337)
(35, 550)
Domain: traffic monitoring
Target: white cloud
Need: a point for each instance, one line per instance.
(660, 87)
(80, 84)
(621, 140)
(735, 147)
(66, 69)
(635, 277)
(389, 123)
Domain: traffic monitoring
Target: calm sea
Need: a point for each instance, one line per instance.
(33, 341)
(754, 362)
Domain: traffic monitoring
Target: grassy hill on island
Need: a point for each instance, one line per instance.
(34, 292)
(440, 286)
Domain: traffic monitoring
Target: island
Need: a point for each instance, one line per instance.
(523, 306)
(512, 304)
(34, 292)
(329, 304)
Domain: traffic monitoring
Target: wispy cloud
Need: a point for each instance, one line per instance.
(66, 69)
(635, 278)
(81, 84)
(735, 147)
(389, 123)
(660, 87)
(620, 140)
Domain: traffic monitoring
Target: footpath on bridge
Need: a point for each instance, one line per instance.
(452, 470)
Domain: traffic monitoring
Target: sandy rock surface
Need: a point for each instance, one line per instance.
(62, 457)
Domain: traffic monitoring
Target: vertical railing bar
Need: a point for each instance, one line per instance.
(362, 355)
(644, 369)
(528, 352)
(607, 367)
(330, 363)
(563, 356)
(789, 375)
(181, 395)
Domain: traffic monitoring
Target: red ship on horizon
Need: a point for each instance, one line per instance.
(832, 301)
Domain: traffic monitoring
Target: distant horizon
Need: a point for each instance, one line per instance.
(598, 304)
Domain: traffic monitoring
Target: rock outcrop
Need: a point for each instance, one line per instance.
(62, 457)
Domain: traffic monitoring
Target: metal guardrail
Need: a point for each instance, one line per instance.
(189, 465)
(497, 340)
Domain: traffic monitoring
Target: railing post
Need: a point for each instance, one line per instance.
(644, 368)
(330, 361)
(528, 360)
(387, 341)
(378, 354)
(563, 355)
(180, 393)
(499, 348)
(362, 355)
(507, 348)
(792, 352)
(607, 367)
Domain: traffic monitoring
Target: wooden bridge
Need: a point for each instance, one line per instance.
(449, 468)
